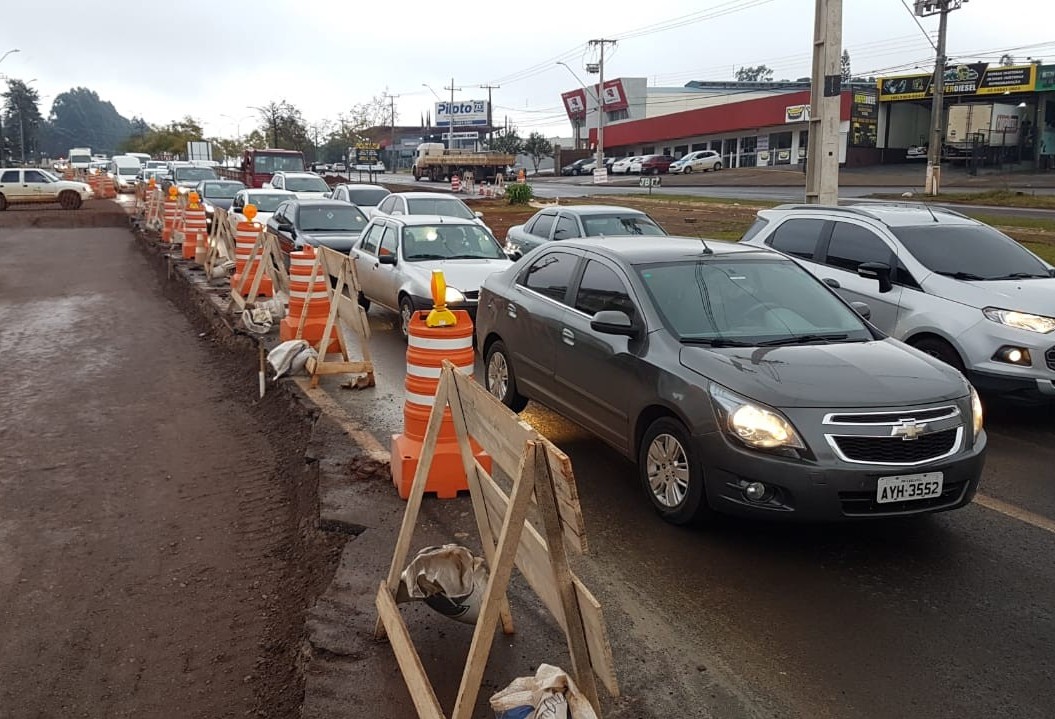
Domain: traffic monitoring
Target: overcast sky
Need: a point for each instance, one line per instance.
(164, 60)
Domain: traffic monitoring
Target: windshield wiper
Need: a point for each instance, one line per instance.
(961, 275)
(803, 339)
(715, 342)
(411, 258)
(1018, 276)
(470, 257)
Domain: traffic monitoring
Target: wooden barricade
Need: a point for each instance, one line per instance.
(155, 210)
(265, 259)
(541, 472)
(220, 241)
(344, 308)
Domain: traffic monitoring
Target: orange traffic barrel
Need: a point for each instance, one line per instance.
(244, 240)
(194, 228)
(170, 208)
(302, 291)
(456, 183)
(427, 348)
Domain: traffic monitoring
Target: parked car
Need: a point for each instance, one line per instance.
(123, 170)
(655, 164)
(186, 176)
(591, 165)
(738, 382)
(574, 221)
(305, 185)
(322, 222)
(428, 203)
(622, 166)
(366, 197)
(947, 284)
(339, 167)
(698, 161)
(265, 202)
(576, 168)
(635, 165)
(29, 186)
(395, 257)
(217, 193)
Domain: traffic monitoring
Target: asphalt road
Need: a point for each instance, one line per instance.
(945, 616)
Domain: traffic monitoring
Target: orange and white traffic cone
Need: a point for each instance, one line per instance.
(302, 291)
(194, 224)
(244, 239)
(170, 209)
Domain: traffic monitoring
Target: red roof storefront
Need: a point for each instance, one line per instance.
(733, 117)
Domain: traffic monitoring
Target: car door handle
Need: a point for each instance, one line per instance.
(511, 310)
(568, 336)
(832, 282)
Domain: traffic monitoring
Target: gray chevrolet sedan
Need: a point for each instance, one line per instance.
(737, 381)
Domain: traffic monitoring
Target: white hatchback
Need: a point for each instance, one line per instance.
(698, 161)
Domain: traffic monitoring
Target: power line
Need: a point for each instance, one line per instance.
(920, 25)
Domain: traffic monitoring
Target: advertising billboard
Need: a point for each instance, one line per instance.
(614, 96)
(575, 103)
(468, 113)
(976, 78)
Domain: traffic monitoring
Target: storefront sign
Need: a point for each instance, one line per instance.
(470, 112)
(1046, 78)
(614, 96)
(575, 104)
(970, 79)
(797, 113)
(462, 136)
(365, 153)
(763, 143)
(864, 123)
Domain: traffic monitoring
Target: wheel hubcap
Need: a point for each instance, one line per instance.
(667, 468)
(405, 314)
(498, 375)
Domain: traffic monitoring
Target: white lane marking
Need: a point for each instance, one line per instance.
(1010, 510)
(368, 442)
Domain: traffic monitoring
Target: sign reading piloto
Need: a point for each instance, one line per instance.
(471, 113)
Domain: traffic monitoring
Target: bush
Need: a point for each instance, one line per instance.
(519, 193)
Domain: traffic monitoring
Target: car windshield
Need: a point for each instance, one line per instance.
(278, 163)
(80, 158)
(439, 206)
(969, 252)
(367, 198)
(223, 190)
(266, 203)
(739, 301)
(598, 225)
(450, 242)
(183, 174)
(306, 184)
(331, 218)
(128, 170)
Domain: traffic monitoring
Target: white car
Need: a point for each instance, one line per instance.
(635, 165)
(265, 201)
(622, 166)
(28, 186)
(698, 161)
(305, 185)
(428, 203)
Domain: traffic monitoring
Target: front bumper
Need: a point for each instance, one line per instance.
(826, 491)
(1032, 383)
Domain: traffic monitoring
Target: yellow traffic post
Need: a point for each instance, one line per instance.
(439, 315)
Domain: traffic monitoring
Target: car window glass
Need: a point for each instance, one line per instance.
(758, 226)
(388, 242)
(852, 244)
(601, 289)
(567, 228)
(798, 237)
(551, 274)
(388, 204)
(975, 250)
(34, 177)
(529, 227)
(542, 226)
(372, 238)
(9, 176)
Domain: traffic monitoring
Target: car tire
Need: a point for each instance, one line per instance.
(69, 200)
(717, 166)
(671, 473)
(499, 379)
(939, 349)
(3, 203)
(363, 302)
(406, 311)
(686, 170)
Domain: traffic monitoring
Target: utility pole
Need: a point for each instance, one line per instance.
(600, 166)
(392, 135)
(450, 114)
(490, 125)
(926, 8)
(822, 153)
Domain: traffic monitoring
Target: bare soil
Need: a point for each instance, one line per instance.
(156, 545)
(93, 213)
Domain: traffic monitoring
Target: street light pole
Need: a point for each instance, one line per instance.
(450, 115)
(600, 166)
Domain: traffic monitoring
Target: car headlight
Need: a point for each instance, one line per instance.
(512, 247)
(977, 419)
(753, 423)
(453, 296)
(1020, 320)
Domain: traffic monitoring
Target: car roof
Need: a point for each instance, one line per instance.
(631, 249)
(362, 186)
(595, 210)
(892, 214)
(296, 174)
(427, 196)
(264, 191)
(320, 201)
(418, 220)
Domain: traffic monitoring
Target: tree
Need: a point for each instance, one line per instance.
(1007, 60)
(284, 126)
(170, 139)
(507, 141)
(22, 122)
(844, 66)
(760, 73)
(79, 118)
(537, 147)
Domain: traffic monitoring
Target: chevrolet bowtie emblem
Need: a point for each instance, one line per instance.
(908, 429)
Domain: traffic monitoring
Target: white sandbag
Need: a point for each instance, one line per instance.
(550, 694)
(449, 579)
(290, 357)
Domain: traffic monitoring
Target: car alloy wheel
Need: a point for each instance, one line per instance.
(668, 470)
(687, 170)
(498, 376)
(670, 473)
(406, 312)
(499, 379)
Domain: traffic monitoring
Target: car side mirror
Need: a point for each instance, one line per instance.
(286, 227)
(613, 322)
(862, 309)
(877, 271)
(386, 259)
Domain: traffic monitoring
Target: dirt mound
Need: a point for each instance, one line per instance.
(93, 213)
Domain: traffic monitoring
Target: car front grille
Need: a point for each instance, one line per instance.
(863, 503)
(1049, 356)
(890, 418)
(897, 450)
